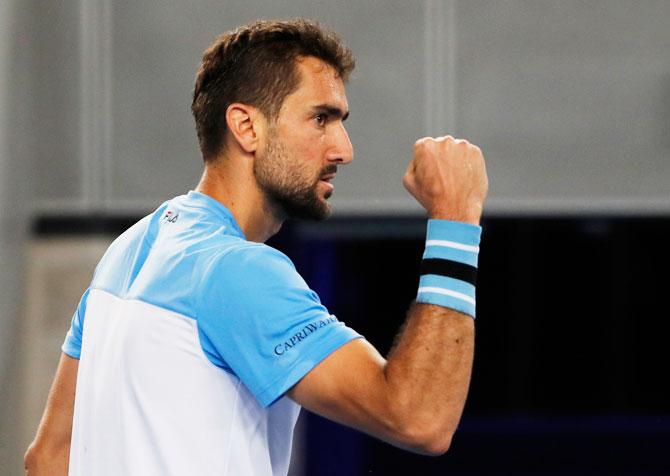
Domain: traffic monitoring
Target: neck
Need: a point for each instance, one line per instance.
(231, 182)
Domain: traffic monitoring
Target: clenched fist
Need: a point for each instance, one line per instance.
(448, 177)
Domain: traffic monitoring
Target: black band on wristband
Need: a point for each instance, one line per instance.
(450, 269)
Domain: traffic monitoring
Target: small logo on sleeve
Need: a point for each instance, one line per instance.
(302, 334)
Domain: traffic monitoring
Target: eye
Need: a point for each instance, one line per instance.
(321, 119)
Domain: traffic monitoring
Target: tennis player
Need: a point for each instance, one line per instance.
(195, 345)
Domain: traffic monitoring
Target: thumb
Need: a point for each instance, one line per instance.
(409, 180)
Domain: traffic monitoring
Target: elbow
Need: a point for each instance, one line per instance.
(431, 443)
(46, 459)
(436, 446)
(425, 438)
(30, 458)
(427, 431)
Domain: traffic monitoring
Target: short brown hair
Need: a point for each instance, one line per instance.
(255, 64)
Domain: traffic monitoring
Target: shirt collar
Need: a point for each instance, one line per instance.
(216, 207)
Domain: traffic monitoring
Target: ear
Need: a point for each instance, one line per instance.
(245, 124)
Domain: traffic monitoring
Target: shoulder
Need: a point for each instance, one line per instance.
(140, 229)
(249, 261)
(251, 279)
(137, 236)
(250, 253)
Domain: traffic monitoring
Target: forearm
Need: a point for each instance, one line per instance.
(415, 399)
(49, 453)
(427, 374)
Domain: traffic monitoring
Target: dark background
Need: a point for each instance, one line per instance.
(571, 365)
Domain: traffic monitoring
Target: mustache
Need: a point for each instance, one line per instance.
(328, 169)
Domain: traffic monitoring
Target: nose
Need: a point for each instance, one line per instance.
(341, 152)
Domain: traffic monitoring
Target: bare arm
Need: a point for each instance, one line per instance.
(414, 399)
(49, 453)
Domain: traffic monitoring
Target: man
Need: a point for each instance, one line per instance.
(196, 345)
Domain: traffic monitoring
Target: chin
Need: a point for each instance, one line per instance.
(327, 212)
(309, 205)
(307, 212)
(319, 215)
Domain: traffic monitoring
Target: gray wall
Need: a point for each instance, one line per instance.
(569, 100)
(17, 154)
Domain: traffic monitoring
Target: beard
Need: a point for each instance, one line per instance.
(288, 185)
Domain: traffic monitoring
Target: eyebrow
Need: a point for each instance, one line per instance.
(331, 111)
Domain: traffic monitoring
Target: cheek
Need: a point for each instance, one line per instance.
(304, 151)
(293, 166)
(305, 157)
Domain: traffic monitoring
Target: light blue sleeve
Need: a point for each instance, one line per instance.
(260, 320)
(72, 344)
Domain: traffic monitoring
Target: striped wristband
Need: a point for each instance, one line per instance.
(449, 266)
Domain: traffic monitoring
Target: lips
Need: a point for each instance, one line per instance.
(327, 175)
(325, 179)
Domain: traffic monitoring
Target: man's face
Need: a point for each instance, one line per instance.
(305, 144)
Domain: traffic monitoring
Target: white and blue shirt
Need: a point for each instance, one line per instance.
(188, 337)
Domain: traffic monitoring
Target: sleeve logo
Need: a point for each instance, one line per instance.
(281, 349)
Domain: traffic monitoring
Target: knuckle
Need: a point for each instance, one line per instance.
(422, 142)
